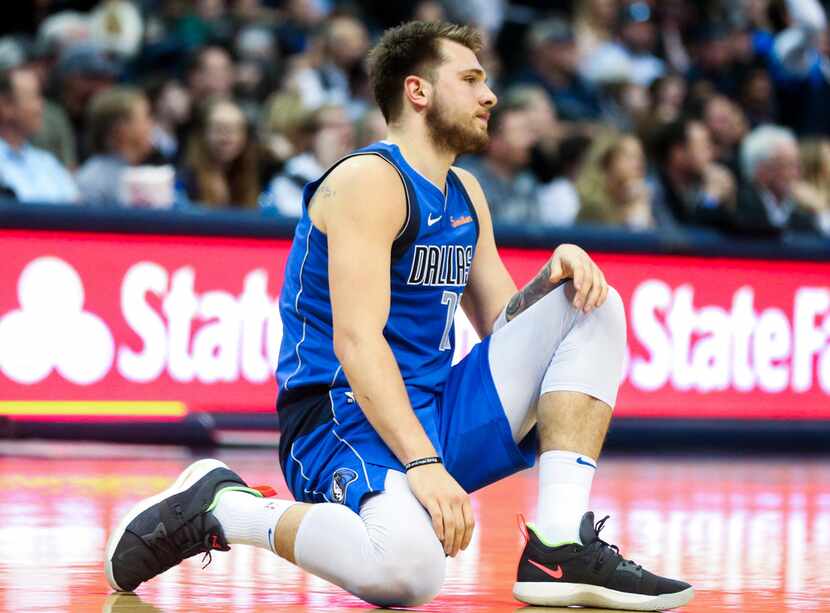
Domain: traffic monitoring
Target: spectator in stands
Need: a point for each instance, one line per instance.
(82, 72)
(221, 165)
(555, 159)
(635, 44)
(553, 66)
(713, 58)
(283, 131)
(210, 73)
(771, 170)
(799, 63)
(332, 137)
(55, 134)
(727, 125)
(558, 198)
(432, 11)
(626, 105)
(612, 185)
(300, 19)
(31, 174)
(688, 183)
(541, 112)
(757, 96)
(335, 74)
(594, 24)
(120, 135)
(171, 111)
(668, 95)
(370, 128)
(199, 22)
(257, 68)
(502, 170)
(813, 192)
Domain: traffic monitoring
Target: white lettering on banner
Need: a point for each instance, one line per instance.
(649, 298)
(147, 364)
(742, 323)
(216, 336)
(710, 349)
(710, 359)
(239, 336)
(180, 307)
(810, 302)
(51, 330)
(771, 345)
(259, 314)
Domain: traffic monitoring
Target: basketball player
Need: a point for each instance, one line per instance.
(382, 439)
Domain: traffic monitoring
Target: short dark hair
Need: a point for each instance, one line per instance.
(411, 48)
(670, 135)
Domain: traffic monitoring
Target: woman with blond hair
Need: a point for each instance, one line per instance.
(612, 185)
(221, 165)
(813, 191)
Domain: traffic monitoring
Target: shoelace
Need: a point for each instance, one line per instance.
(168, 547)
(207, 555)
(606, 548)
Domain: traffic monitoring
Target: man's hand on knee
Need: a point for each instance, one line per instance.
(447, 504)
(570, 261)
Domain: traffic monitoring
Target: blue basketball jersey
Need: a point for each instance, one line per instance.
(431, 260)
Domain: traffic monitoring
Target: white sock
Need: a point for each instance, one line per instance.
(247, 519)
(564, 488)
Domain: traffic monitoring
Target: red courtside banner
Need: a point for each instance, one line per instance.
(119, 327)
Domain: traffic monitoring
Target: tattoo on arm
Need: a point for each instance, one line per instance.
(531, 293)
(326, 192)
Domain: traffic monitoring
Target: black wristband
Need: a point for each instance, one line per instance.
(422, 461)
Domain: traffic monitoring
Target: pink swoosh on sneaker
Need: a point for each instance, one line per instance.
(556, 573)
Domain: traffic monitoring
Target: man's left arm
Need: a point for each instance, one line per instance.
(492, 295)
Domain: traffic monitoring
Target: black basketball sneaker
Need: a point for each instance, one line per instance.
(161, 531)
(591, 574)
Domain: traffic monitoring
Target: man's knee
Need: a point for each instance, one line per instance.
(611, 316)
(408, 574)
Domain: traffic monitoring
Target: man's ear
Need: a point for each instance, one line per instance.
(418, 91)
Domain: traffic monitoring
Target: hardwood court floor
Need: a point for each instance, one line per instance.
(751, 534)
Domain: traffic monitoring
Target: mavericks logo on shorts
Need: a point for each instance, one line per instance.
(340, 481)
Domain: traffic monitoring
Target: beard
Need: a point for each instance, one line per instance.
(449, 134)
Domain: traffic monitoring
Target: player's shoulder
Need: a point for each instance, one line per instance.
(365, 188)
(363, 169)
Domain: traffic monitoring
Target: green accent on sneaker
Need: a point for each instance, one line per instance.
(232, 488)
(545, 542)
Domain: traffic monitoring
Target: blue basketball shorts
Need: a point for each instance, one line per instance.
(330, 453)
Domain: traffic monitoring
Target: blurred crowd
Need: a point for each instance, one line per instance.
(640, 114)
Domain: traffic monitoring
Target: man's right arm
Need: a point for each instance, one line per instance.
(361, 208)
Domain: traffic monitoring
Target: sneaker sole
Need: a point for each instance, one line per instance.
(187, 478)
(568, 594)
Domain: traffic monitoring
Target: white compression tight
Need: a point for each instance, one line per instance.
(389, 555)
(554, 347)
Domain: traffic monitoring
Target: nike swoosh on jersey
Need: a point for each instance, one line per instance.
(431, 221)
(556, 573)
